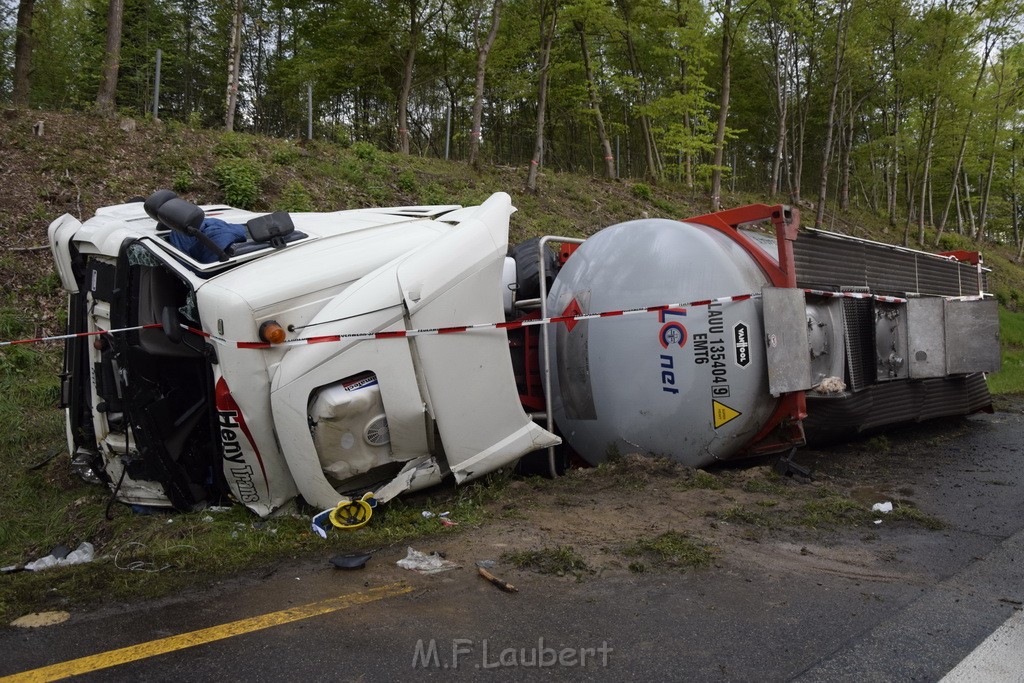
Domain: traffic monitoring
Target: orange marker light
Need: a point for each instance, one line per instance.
(271, 332)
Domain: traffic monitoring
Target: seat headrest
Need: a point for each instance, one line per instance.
(156, 200)
(271, 228)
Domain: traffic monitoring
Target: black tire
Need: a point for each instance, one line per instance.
(528, 270)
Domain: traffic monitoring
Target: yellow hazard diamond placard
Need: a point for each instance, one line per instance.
(723, 414)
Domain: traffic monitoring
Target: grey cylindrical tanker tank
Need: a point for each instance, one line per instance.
(690, 384)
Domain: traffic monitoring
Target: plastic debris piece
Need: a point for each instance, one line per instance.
(207, 518)
(878, 521)
(425, 564)
(350, 561)
(444, 514)
(882, 507)
(218, 508)
(82, 554)
(320, 522)
(486, 564)
(427, 514)
(448, 522)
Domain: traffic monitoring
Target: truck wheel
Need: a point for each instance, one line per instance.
(527, 268)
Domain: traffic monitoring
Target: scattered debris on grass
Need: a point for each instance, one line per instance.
(62, 557)
(423, 563)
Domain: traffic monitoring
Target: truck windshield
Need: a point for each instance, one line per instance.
(169, 382)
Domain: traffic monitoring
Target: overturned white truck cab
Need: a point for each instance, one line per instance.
(384, 350)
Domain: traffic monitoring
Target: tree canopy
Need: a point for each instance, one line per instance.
(911, 109)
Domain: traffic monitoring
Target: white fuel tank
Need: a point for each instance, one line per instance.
(689, 383)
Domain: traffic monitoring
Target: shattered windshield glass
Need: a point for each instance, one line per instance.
(139, 255)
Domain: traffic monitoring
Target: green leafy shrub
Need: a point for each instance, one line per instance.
(239, 179)
(285, 154)
(232, 145)
(407, 182)
(950, 241)
(364, 150)
(295, 198)
(642, 191)
(183, 181)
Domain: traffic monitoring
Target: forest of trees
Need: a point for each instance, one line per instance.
(911, 109)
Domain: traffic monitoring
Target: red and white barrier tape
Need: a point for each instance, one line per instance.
(856, 295)
(97, 333)
(514, 325)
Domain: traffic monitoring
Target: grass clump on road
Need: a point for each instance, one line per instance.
(832, 509)
(670, 549)
(561, 561)
(702, 479)
(910, 513)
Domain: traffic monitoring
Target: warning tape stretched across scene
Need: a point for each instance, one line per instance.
(97, 333)
(513, 325)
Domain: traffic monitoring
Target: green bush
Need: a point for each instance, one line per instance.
(295, 198)
(642, 191)
(951, 241)
(407, 182)
(285, 154)
(364, 150)
(232, 145)
(239, 179)
(182, 181)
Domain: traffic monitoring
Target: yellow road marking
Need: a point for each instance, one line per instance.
(105, 660)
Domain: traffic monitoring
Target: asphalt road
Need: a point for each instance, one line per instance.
(938, 597)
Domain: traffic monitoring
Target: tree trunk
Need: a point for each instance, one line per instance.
(970, 209)
(403, 96)
(23, 52)
(1013, 195)
(959, 208)
(845, 164)
(997, 125)
(802, 86)
(827, 152)
(653, 168)
(723, 107)
(780, 79)
(892, 189)
(595, 104)
(234, 65)
(547, 38)
(482, 51)
(926, 176)
(989, 43)
(112, 59)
